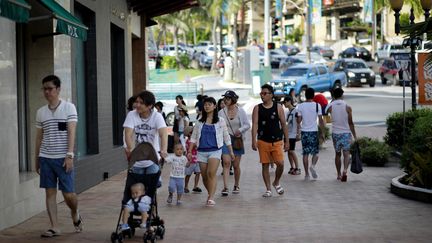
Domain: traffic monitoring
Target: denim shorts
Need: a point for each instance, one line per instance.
(193, 168)
(225, 149)
(204, 156)
(176, 185)
(152, 169)
(341, 141)
(52, 173)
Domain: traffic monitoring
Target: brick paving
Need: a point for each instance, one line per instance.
(325, 210)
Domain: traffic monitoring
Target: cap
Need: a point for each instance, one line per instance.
(230, 94)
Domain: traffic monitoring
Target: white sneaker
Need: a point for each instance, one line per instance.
(313, 172)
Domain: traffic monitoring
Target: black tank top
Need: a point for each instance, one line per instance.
(269, 129)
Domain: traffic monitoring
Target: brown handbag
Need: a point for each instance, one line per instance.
(237, 141)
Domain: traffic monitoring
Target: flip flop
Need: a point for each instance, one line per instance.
(78, 225)
(279, 189)
(210, 203)
(50, 233)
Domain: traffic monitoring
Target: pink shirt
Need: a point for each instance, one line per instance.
(194, 151)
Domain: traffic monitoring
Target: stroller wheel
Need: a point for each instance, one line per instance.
(160, 231)
(116, 237)
(132, 232)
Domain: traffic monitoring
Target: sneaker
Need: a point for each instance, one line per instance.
(291, 171)
(297, 171)
(313, 172)
(236, 190)
(79, 224)
(124, 227)
(186, 190)
(197, 189)
(225, 192)
(169, 200)
(307, 178)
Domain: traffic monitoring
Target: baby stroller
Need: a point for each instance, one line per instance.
(155, 225)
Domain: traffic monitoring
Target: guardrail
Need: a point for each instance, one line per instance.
(168, 91)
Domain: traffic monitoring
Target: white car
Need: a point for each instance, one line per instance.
(315, 58)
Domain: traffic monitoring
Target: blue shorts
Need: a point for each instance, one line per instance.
(225, 149)
(52, 173)
(176, 184)
(193, 168)
(204, 156)
(341, 141)
(310, 143)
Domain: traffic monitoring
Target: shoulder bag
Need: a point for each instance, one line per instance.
(237, 141)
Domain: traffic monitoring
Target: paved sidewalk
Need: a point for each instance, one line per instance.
(325, 210)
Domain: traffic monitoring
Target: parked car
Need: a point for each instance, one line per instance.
(356, 70)
(202, 45)
(205, 61)
(324, 51)
(290, 50)
(395, 71)
(315, 58)
(302, 76)
(276, 56)
(289, 61)
(387, 50)
(356, 52)
(169, 50)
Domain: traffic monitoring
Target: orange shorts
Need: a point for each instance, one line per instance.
(271, 152)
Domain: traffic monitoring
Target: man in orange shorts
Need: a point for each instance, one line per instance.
(269, 126)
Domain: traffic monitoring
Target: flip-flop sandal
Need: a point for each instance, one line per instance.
(210, 203)
(267, 194)
(50, 233)
(279, 189)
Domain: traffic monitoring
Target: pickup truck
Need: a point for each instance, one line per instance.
(387, 50)
(303, 76)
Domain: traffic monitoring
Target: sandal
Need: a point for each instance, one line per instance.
(279, 189)
(225, 192)
(267, 194)
(50, 233)
(210, 203)
(78, 225)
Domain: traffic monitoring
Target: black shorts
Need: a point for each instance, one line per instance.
(292, 142)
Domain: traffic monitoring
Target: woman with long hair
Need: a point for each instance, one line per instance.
(209, 135)
(180, 103)
(238, 124)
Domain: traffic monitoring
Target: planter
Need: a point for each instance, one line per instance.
(410, 192)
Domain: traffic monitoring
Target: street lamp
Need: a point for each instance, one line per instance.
(411, 41)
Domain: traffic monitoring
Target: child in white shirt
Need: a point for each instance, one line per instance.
(178, 164)
(139, 202)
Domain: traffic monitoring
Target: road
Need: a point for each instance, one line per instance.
(371, 105)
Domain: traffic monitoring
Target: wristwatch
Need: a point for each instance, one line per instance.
(70, 155)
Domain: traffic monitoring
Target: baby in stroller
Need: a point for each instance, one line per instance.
(148, 177)
(139, 203)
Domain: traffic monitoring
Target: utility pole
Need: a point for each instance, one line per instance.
(309, 29)
(266, 32)
(374, 29)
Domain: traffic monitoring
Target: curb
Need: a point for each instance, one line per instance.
(410, 192)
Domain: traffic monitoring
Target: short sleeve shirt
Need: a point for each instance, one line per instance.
(178, 165)
(309, 113)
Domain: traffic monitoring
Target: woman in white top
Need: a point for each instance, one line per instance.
(209, 135)
(144, 124)
(180, 103)
(238, 124)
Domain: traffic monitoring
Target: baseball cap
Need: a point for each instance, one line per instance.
(230, 94)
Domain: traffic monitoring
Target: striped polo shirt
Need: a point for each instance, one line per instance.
(54, 125)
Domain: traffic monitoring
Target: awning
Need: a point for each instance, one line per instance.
(16, 10)
(66, 22)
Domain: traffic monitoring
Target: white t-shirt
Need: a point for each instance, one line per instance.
(145, 129)
(182, 123)
(54, 125)
(291, 121)
(309, 113)
(178, 165)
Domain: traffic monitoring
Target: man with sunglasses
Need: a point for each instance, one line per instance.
(55, 140)
(270, 137)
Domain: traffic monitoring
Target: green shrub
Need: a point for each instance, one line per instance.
(416, 158)
(184, 61)
(394, 136)
(169, 62)
(373, 152)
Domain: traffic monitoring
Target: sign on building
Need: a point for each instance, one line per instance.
(424, 80)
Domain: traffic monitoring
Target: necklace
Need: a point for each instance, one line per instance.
(54, 108)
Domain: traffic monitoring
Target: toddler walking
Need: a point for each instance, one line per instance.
(194, 166)
(178, 164)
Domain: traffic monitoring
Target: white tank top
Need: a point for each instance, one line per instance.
(339, 117)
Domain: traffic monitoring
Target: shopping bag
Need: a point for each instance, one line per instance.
(356, 163)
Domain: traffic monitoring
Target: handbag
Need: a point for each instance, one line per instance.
(237, 142)
(356, 163)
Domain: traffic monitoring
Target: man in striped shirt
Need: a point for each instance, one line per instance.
(55, 139)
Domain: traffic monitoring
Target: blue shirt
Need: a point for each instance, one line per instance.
(208, 141)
